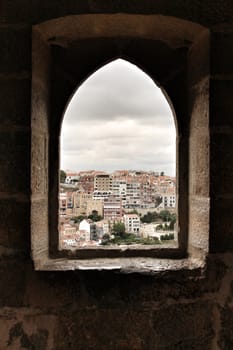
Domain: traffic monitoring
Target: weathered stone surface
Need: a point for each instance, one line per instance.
(226, 334)
(39, 159)
(15, 50)
(130, 330)
(222, 62)
(105, 310)
(26, 329)
(221, 177)
(16, 234)
(221, 103)
(15, 161)
(183, 327)
(13, 282)
(221, 225)
(15, 11)
(39, 226)
(15, 98)
(208, 12)
(199, 222)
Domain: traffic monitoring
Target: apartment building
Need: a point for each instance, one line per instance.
(132, 223)
(102, 183)
(112, 209)
(84, 204)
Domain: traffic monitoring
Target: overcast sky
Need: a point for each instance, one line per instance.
(118, 119)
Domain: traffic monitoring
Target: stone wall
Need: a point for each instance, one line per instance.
(107, 310)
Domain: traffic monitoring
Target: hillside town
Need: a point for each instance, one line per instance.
(123, 207)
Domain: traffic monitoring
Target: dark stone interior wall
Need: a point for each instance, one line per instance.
(104, 310)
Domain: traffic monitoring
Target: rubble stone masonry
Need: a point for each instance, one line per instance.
(104, 310)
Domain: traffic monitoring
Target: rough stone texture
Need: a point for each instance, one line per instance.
(222, 104)
(15, 11)
(26, 329)
(226, 334)
(199, 222)
(193, 326)
(87, 310)
(221, 63)
(15, 93)
(221, 224)
(222, 145)
(14, 211)
(15, 52)
(15, 144)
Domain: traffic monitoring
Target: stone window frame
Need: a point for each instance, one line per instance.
(65, 51)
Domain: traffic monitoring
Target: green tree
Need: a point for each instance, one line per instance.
(62, 176)
(118, 229)
(149, 217)
(95, 216)
(78, 219)
(167, 237)
(105, 239)
(172, 222)
(165, 215)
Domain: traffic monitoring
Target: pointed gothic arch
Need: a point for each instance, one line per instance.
(69, 49)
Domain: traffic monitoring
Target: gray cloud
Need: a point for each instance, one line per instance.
(118, 119)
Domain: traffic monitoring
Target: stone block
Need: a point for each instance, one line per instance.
(15, 224)
(39, 226)
(222, 51)
(26, 329)
(43, 11)
(199, 105)
(221, 225)
(199, 223)
(15, 49)
(56, 290)
(15, 101)
(225, 340)
(198, 59)
(105, 329)
(15, 11)
(39, 159)
(183, 326)
(40, 108)
(15, 161)
(199, 163)
(221, 171)
(12, 286)
(221, 103)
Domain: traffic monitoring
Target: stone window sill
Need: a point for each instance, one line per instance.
(192, 266)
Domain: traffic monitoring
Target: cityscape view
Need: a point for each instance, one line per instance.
(117, 119)
(125, 207)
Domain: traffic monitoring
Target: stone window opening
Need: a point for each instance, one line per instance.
(66, 51)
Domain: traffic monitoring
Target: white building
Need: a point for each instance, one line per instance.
(168, 201)
(132, 223)
(71, 178)
(149, 230)
(85, 226)
(89, 228)
(119, 188)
